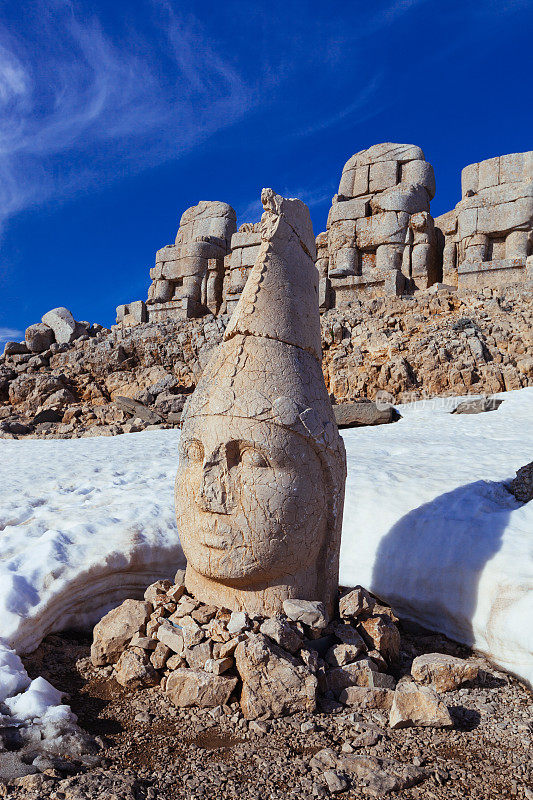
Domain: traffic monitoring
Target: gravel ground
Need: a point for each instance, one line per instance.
(153, 751)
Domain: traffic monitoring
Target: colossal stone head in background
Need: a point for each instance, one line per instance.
(260, 485)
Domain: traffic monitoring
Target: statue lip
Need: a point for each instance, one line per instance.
(214, 541)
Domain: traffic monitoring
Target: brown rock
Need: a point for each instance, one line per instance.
(160, 656)
(188, 687)
(354, 415)
(367, 697)
(418, 706)
(274, 683)
(114, 631)
(381, 634)
(444, 673)
(355, 603)
(133, 670)
(156, 593)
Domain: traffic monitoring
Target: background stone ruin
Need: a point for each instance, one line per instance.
(381, 239)
(487, 238)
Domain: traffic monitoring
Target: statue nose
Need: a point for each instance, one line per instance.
(213, 495)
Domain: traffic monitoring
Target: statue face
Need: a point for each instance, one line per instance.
(250, 500)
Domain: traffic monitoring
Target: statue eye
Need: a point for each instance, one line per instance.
(194, 451)
(250, 457)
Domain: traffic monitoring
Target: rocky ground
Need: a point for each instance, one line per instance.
(150, 749)
(434, 343)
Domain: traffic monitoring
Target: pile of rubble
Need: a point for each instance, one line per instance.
(106, 382)
(208, 657)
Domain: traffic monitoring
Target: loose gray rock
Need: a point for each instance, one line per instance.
(444, 673)
(355, 415)
(187, 687)
(418, 706)
(522, 485)
(62, 323)
(478, 406)
(115, 630)
(39, 337)
(310, 612)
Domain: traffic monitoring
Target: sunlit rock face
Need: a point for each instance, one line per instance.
(260, 485)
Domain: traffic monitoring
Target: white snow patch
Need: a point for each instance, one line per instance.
(428, 526)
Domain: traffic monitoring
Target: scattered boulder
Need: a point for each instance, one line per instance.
(309, 612)
(444, 673)
(187, 687)
(478, 406)
(418, 706)
(379, 776)
(380, 633)
(115, 630)
(15, 349)
(355, 415)
(274, 682)
(367, 697)
(138, 410)
(39, 337)
(134, 670)
(522, 485)
(62, 323)
(356, 602)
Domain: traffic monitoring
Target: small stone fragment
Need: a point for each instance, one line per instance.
(134, 671)
(156, 593)
(281, 632)
(311, 612)
(172, 636)
(203, 614)
(418, 706)
(160, 656)
(355, 603)
(197, 656)
(192, 633)
(336, 781)
(444, 673)
(114, 631)
(187, 687)
(367, 697)
(218, 665)
(342, 654)
(381, 634)
(238, 622)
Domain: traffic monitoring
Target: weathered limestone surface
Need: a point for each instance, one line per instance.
(188, 276)
(444, 673)
(245, 245)
(274, 683)
(487, 239)
(260, 485)
(116, 629)
(380, 234)
(419, 706)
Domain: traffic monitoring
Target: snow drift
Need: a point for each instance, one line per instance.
(429, 526)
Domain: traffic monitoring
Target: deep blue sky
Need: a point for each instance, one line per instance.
(115, 117)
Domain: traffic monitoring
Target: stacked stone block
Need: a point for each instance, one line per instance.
(487, 239)
(188, 276)
(380, 234)
(245, 246)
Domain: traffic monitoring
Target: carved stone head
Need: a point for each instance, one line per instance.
(260, 485)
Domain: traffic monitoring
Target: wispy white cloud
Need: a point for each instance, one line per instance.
(9, 335)
(74, 89)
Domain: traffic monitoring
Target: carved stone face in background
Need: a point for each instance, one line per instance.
(250, 500)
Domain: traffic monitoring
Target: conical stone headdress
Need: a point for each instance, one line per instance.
(268, 367)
